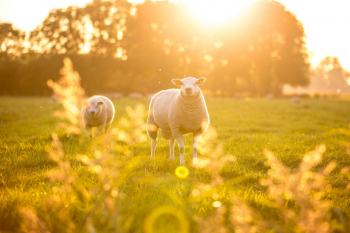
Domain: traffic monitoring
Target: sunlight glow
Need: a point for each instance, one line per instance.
(217, 11)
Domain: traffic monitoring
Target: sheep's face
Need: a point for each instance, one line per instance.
(189, 86)
(93, 108)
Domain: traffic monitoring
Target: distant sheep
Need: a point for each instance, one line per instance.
(178, 112)
(54, 98)
(295, 100)
(97, 111)
(115, 96)
(135, 95)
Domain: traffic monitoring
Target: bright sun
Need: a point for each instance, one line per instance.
(216, 11)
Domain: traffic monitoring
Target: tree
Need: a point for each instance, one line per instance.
(268, 42)
(259, 51)
(11, 47)
(330, 76)
(140, 48)
(162, 42)
(11, 40)
(95, 28)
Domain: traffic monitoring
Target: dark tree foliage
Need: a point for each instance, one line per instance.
(100, 74)
(11, 39)
(118, 47)
(11, 46)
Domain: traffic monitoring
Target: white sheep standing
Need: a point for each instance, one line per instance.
(178, 112)
(97, 111)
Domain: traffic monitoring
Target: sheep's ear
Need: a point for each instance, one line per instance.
(177, 82)
(201, 81)
(100, 103)
(85, 103)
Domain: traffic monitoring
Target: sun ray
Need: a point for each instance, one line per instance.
(216, 11)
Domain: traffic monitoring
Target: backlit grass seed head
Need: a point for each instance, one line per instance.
(103, 195)
(70, 94)
(195, 192)
(216, 204)
(63, 171)
(212, 158)
(84, 159)
(132, 129)
(208, 140)
(244, 219)
(31, 223)
(114, 193)
(214, 222)
(304, 187)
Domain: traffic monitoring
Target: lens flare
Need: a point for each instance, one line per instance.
(166, 210)
(181, 172)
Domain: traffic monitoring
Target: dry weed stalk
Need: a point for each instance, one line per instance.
(70, 94)
(30, 222)
(61, 197)
(133, 123)
(71, 190)
(346, 170)
(245, 219)
(304, 188)
(213, 223)
(213, 159)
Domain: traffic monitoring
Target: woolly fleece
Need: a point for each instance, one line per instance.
(177, 114)
(104, 112)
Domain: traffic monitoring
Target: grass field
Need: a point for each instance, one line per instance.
(244, 127)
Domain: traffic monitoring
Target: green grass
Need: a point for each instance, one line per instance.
(245, 128)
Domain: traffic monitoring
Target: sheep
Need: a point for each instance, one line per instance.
(97, 111)
(178, 112)
(115, 95)
(135, 96)
(295, 100)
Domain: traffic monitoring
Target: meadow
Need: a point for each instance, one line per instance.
(145, 195)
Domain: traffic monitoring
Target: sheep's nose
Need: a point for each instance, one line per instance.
(188, 89)
(92, 112)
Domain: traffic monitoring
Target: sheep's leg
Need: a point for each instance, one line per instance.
(89, 130)
(152, 130)
(194, 147)
(107, 127)
(171, 144)
(181, 144)
(99, 130)
(153, 147)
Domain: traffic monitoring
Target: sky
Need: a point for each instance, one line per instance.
(326, 22)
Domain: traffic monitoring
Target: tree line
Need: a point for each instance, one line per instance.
(119, 47)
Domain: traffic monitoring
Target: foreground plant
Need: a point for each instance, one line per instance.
(300, 196)
(69, 192)
(70, 94)
(304, 189)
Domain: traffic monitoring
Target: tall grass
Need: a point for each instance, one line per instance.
(94, 199)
